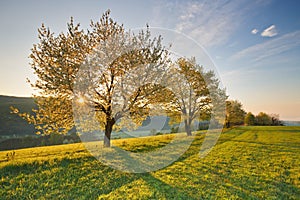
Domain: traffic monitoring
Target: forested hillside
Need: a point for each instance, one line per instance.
(13, 125)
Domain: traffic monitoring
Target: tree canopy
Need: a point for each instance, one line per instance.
(97, 61)
(196, 95)
(249, 119)
(118, 75)
(235, 114)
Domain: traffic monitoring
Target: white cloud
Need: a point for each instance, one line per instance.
(254, 31)
(269, 48)
(211, 23)
(270, 31)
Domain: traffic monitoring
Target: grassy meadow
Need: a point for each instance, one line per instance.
(246, 163)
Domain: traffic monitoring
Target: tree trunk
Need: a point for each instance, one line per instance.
(187, 126)
(227, 124)
(108, 130)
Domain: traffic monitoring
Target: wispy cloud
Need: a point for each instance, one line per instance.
(254, 31)
(211, 23)
(236, 74)
(269, 48)
(270, 31)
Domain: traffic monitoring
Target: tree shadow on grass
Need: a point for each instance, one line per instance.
(67, 178)
(162, 189)
(158, 188)
(141, 161)
(83, 177)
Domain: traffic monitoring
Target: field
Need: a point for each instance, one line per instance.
(246, 163)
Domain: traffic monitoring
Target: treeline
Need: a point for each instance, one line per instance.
(262, 119)
(36, 141)
(236, 116)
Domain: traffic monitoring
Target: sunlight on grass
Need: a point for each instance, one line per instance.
(246, 163)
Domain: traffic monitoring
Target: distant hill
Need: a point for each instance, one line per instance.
(11, 124)
(291, 123)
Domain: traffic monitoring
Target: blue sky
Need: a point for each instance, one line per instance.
(254, 44)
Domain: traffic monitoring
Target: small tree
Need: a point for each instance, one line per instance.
(275, 120)
(249, 119)
(235, 114)
(263, 119)
(153, 131)
(194, 93)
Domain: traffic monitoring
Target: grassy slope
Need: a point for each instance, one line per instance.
(247, 163)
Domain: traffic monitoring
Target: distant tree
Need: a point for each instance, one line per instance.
(153, 131)
(194, 93)
(275, 120)
(235, 113)
(249, 119)
(263, 119)
(56, 139)
(57, 60)
(174, 129)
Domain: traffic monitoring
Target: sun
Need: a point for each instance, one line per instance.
(80, 100)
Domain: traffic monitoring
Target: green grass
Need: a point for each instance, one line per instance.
(246, 163)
